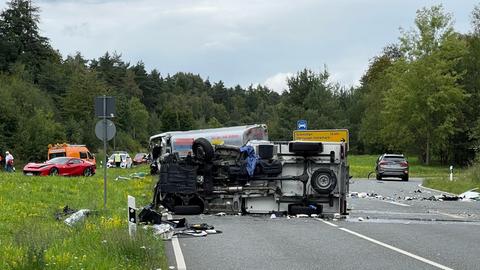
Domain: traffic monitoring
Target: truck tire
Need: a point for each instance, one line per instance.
(187, 210)
(202, 150)
(323, 181)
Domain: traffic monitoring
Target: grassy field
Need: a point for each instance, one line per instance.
(436, 176)
(362, 165)
(31, 237)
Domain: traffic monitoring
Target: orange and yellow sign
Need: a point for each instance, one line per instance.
(324, 135)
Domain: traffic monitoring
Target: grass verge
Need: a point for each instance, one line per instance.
(31, 237)
(362, 165)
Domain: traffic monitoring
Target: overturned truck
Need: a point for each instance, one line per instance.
(261, 177)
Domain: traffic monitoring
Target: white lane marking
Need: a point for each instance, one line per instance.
(450, 215)
(397, 250)
(397, 203)
(178, 254)
(436, 190)
(328, 223)
(177, 251)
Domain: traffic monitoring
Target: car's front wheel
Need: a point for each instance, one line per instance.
(53, 172)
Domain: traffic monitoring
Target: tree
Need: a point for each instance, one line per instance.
(423, 103)
(20, 40)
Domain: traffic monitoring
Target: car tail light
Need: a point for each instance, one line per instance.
(403, 164)
(383, 163)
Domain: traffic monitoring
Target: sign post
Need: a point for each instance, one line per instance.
(105, 131)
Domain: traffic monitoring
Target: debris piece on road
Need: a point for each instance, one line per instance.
(360, 219)
(213, 231)
(449, 198)
(163, 231)
(221, 214)
(314, 215)
(417, 191)
(196, 233)
(202, 227)
(149, 215)
(470, 195)
(353, 194)
(302, 216)
(76, 217)
(362, 194)
(273, 216)
(408, 198)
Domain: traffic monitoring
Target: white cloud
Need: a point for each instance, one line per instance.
(236, 41)
(278, 82)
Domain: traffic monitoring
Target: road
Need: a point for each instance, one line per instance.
(380, 233)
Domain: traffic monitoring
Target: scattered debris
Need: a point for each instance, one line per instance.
(163, 231)
(417, 191)
(76, 217)
(408, 198)
(302, 216)
(137, 175)
(65, 212)
(221, 214)
(149, 215)
(470, 195)
(449, 198)
(273, 216)
(360, 219)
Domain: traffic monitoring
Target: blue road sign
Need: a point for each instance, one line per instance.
(302, 125)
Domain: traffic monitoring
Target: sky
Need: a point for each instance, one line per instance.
(239, 42)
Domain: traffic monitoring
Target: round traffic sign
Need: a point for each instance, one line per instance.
(100, 129)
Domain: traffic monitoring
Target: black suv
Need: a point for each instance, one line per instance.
(392, 165)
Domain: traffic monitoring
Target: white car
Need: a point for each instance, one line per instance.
(126, 160)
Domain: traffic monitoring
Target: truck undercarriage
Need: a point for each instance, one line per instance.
(260, 178)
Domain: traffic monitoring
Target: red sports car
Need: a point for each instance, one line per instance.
(66, 166)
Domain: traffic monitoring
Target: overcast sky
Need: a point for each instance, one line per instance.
(239, 42)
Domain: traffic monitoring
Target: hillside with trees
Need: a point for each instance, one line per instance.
(419, 96)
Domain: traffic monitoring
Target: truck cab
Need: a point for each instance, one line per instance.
(70, 150)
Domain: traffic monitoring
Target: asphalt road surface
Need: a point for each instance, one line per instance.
(386, 230)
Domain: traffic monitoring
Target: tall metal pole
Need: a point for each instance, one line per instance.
(105, 151)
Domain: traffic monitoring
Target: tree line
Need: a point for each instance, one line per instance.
(419, 96)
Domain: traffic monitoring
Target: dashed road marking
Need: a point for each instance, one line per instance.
(396, 203)
(328, 223)
(401, 251)
(177, 251)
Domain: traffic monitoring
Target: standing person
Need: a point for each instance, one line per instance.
(8, 162)
(117, 159)
(1, 161)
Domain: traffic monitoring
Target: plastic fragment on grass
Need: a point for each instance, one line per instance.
(76, 217)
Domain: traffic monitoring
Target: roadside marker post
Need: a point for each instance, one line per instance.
(451, 173)
(132, 216)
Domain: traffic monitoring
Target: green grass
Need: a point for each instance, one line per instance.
(467, 179)
(362, 165)
(436, 176)
(31, 237)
